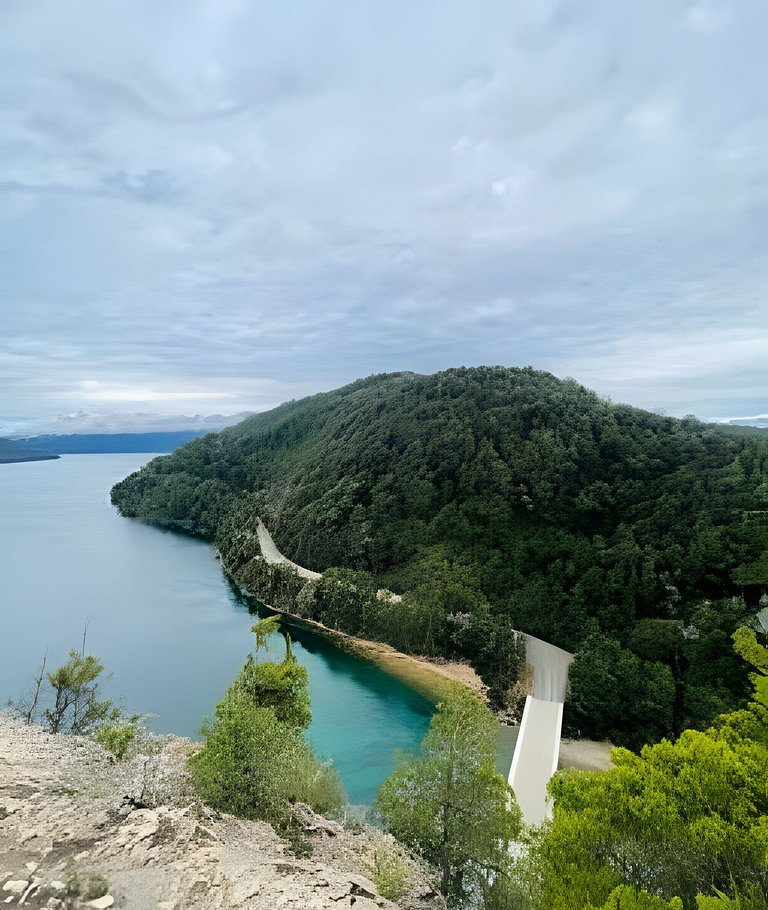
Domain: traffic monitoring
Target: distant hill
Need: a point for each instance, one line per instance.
(746, 428)
(568, 515)
(13, 451)
(103, 443)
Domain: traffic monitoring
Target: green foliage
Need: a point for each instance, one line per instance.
(626, 898)
(748, 647)
(684, 819)
(392, 869)
(77, 707)
(270, 625)
(494, 648)
(255, 762)
(449, 802)
(614, 695)
(496, 488)
(96, 886)
(118, 734)
(282, 687)
(68, 699)
(343, 599)
(246, 764)
(748, 898)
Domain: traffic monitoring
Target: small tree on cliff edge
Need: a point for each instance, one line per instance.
(68, 699)
(451, 804)
(255, 761)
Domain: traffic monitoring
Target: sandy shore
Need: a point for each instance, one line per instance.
(430, 677)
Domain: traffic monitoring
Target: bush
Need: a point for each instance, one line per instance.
(255, 762)
(116, 736)
(242, 767)
(392, 870)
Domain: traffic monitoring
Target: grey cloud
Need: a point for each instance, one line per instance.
(151, 186)
(340, 189)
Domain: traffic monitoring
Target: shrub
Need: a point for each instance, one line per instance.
(392, 870)
(116, 736)
(255, 761)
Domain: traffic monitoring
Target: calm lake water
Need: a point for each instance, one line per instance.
(164, 620)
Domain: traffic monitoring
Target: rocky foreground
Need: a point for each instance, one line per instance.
(77, 830)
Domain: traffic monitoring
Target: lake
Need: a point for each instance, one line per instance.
(165, 621)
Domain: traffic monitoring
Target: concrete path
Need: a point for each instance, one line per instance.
(550, 669)
(273, 556)
(538, 743)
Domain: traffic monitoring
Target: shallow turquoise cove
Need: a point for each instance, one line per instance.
(164, 619)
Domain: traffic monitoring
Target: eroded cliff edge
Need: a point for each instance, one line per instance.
(69, 817)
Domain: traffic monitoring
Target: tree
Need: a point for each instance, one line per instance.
(255, 762)
(609, 686)
(450, 803)
(77, 706)
(747, 645)
(283, 687)
(682, 819)
(246, 765)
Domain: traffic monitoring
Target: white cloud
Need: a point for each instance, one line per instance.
(708, 16)
(145, 395)
(652, 117)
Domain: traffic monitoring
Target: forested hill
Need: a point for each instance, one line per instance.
(568, 513)
(102, 443)
(11, 450)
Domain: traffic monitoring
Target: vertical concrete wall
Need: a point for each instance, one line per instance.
(536, 756)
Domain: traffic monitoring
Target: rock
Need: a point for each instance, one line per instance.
(16, 886)
(338, 892)
(54, 904)
(31, 867)
(57, 886)
(101, 903)
(10, 806)
(362, 903)
(32, 888)
(362, 887)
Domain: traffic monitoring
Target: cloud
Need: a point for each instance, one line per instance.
(145, 395)
(209, 195)
(120, 422)
(153, 185)
(708, 16)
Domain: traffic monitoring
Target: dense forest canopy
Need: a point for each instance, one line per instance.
(569, 517)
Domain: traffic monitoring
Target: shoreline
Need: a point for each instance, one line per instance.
(431, 678)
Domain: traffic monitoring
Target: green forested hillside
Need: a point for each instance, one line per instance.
(565, 515)
(11, 450)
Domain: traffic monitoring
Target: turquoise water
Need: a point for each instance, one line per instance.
(164, 619)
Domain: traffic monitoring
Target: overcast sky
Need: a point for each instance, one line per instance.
(210, 206)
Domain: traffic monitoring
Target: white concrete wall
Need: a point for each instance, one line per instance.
(536, 756)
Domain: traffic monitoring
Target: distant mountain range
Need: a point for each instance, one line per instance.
(42, 448)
